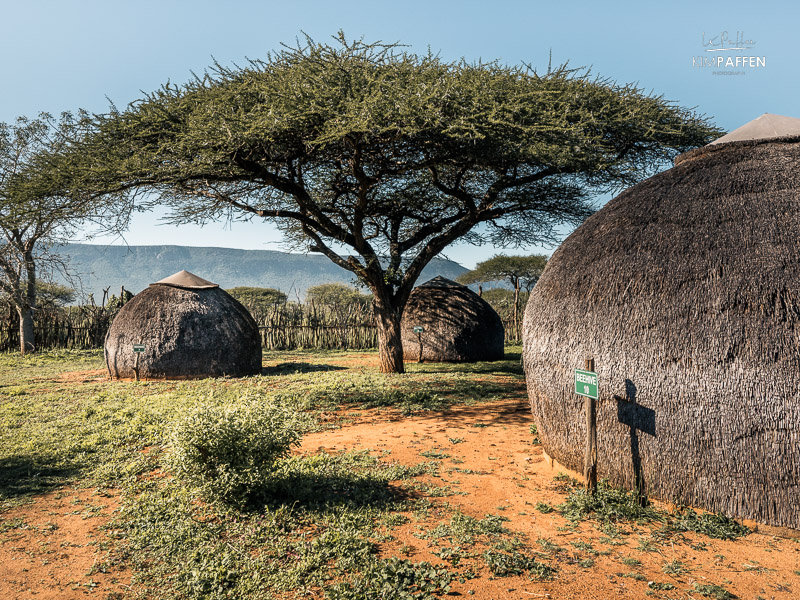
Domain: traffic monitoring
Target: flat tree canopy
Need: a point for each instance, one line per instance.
(519, 271)
(389, 154)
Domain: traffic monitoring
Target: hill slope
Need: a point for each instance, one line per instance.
(136, 267)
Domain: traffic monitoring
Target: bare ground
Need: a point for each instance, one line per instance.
(55, 547)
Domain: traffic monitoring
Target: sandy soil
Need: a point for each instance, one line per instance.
(516, 476)
(54, 547)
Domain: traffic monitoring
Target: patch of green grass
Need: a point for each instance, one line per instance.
(436, 454)
(319, 518)
(548, 546)
(634, 576)
(675, 568)
(661, 587)
(505, 565)
(713, 525)
(465, 530)
(543, 507)
(393, 578)
(631, 562)
(646, 545)
(608, 504)
(611, 506)
(713, 591)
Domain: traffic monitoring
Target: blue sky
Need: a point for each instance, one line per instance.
(69, 54)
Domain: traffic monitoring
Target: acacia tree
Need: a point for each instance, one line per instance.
(519, 271)
(39, 207)
(380, 158)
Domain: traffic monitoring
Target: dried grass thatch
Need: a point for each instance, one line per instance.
(686, 291)
(190, 328)
(459, 325)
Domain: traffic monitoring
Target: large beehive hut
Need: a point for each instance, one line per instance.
(189, 328)
(686, 291)
(460, 326)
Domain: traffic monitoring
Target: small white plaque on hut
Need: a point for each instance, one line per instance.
(138, 347)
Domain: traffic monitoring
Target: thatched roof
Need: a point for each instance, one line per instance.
(686, 291)
(189, 328)
(459, 325)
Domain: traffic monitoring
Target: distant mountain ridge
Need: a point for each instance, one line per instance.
(136, 267)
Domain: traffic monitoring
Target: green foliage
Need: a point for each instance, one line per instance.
(607, 504)
(713, 525)
(257, 300)
(337, 294)
(675, 568)
(230, 452)
(614, 505)
(660, 587)
(710, 590)
(544, 507)
(395, 578)
(53, 294)
(387, 153)
(38, 210)
(505, 565)
(522, 271)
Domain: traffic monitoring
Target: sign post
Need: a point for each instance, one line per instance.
(137, 350)
(418, 329)
(586, 386)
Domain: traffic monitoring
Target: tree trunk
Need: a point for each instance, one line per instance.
(26, 336)
(516, 310)
(26, 340)
(390, 343)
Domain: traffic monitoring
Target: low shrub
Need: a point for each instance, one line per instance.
(230, 452)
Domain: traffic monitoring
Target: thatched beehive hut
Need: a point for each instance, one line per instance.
(460, 326)
(685, 289)
(189, 328)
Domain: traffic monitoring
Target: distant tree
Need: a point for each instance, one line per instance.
(519, 271)
(39, 206)
(380, 158)
(336, 294)
(258, 300)
(53, 294)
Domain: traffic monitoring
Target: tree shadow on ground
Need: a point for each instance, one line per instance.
(24, 476)
(322, 491)
(291, 368)
(510, 364)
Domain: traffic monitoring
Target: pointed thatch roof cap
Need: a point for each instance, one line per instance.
(186, 280)
(764, 127)
(441, 282)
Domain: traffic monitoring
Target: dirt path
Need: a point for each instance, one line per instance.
(54, 548)
(512, 477)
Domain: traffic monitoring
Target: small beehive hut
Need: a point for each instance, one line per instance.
(459, 325)
(189, 328)
(685, 289)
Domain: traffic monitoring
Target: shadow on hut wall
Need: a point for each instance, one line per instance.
(290, 368)
(638, 418)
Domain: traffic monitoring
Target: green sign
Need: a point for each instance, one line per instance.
(419, 329)
(138, 347)
(586, 383)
